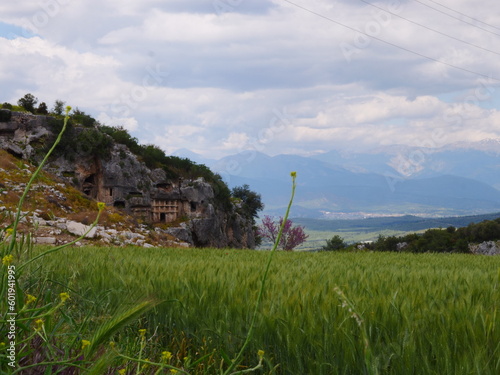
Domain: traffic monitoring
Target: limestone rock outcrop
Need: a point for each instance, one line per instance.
(188, 208)
(485, 248)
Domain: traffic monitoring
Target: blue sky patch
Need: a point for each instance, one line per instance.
(10, 31)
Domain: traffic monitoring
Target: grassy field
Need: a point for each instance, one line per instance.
(322, 313)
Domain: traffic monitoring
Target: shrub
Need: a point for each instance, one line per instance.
(80, 117)
(42, 109)
(335, 243)
(93, 142)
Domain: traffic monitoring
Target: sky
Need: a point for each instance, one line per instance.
(219, 77)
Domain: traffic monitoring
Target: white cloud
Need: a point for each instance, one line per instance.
(182, 75)
(128, 123)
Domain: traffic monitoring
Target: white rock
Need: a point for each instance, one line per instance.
(78, 229)
(46, 240)
(39, 221)
(105, 236)
(147, 245)
(62, 226)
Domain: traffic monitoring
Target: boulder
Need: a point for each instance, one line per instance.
(79, 229)
(46, 240)
(485, 248)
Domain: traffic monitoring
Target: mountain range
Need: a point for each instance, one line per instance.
(459, 179)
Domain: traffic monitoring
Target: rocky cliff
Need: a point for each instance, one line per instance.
(188, 209)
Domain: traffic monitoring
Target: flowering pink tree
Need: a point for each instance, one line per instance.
(291, 237)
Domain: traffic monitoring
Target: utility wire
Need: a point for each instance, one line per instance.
(463, 14)
(428, 28)
(456, 18)
(392, 44)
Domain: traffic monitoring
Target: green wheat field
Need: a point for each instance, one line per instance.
(321, 313)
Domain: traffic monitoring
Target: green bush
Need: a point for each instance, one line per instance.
(42, 109)
(80, 117)
(334, 244)
(93, 142)
(449, 240)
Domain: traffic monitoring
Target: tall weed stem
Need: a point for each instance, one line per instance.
(248, 338)
(32, 179)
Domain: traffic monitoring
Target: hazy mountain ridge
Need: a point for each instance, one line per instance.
(459, 179)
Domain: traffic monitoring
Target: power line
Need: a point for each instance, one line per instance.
(428, 28)
(456, 18)
(463, 14)
(392, 44)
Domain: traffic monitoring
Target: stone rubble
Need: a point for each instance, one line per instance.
(61, 231)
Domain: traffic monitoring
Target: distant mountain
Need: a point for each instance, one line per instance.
(436, 182)
(197, 158)
(475, 160)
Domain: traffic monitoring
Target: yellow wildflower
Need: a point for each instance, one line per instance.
(165, 356)
(122, 371)
(64, 296)
(261, 353)
(85, 343)
(39, 324)
(293, 174)
(173, 371)
(7, 260)
(30, 299)
(2, 345)
(142, 333)
(146, 365)
(101, 206)
(8, 232)
(112, 345)
(68, 109)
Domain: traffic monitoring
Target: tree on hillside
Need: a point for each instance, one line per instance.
(252, 201)
(291, 237)
(28, 102)
(335, 243)
(42, 109)
(58, 107)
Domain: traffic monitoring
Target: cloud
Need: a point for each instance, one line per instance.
(223, 76)
(128, 123)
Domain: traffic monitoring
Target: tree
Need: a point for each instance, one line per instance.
(291, 237)
(252, 202)
(42, 109)
(28, 102)
(58, 107)
(335, 243)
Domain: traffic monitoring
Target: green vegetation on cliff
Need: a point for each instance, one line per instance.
(87, 137)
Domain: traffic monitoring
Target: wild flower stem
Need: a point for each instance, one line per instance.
(32, 179)
(263, 283)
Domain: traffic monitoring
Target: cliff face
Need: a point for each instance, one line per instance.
(188, 208)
